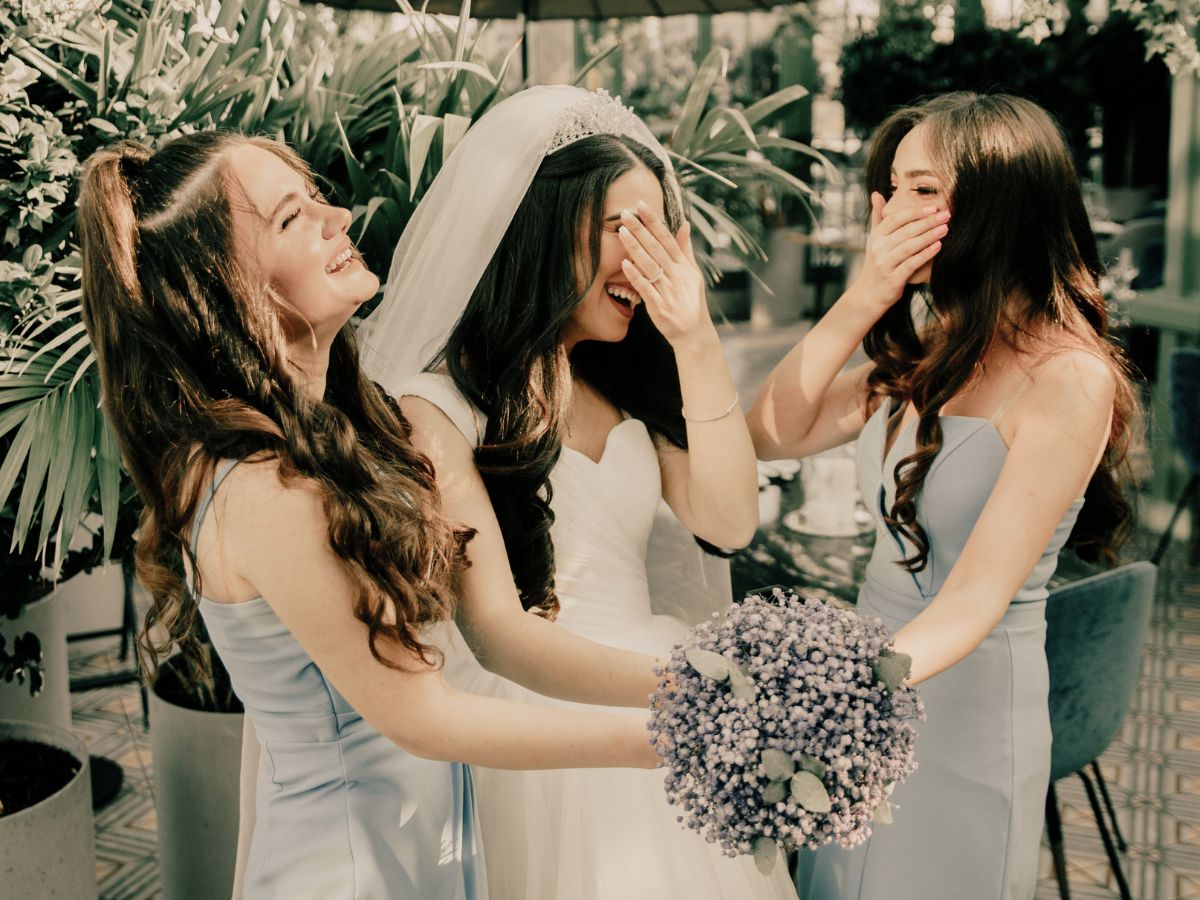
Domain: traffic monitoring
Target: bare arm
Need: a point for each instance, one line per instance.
(1059, 439)
(275, 539)
(712, 487)
(805, 406)
(507, 640)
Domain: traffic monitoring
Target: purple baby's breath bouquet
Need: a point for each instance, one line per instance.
(785, 721)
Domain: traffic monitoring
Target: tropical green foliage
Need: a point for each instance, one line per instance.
(719, 146)
(77, 76)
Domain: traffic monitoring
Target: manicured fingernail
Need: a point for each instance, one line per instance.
(942, 229)
(623, 231)
(929, 210)
(944, 216)
(627, 214)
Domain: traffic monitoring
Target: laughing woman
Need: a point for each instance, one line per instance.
(217, 290)
(990, 421)
(576, 382)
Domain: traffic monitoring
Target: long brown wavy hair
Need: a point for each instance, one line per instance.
(506, 353)
(193, 366)
(1019, 230)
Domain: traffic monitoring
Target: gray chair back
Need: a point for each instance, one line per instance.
(1095, 629)
(1185, 403)
(1146, 239)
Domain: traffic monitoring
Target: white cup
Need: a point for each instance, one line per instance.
(830, 495)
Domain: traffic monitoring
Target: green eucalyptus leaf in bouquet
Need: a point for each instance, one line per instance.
(809, 792)
(778, 764)
(766, 851)
(709, 664)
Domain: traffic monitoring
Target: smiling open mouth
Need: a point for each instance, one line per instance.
(623, 296)
(340, 262)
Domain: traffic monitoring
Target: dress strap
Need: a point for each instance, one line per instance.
(223, 468)
(440, 390)
(1009, 403)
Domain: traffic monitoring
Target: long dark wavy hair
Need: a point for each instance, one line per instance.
(506, 353)
(1019, 230)
(192, 359)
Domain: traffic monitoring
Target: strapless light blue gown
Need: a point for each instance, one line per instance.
(969, 821)
(342, 812)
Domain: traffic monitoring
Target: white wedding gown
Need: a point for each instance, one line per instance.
(598, 834)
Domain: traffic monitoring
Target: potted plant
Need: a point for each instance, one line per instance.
(731, 164)
(47, 848)
(33, 647)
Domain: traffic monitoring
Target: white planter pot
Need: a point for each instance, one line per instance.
(49, 849)
(52, 707)
(197, 760)
(94, 600)
(783, 273)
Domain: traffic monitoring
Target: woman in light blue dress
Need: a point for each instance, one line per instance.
(992, 408)
(217, 288)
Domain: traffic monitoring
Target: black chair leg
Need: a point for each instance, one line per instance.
(1109, 847)
(1054, 830)
(1194, 555)
(1165, 541)
(1112, 814)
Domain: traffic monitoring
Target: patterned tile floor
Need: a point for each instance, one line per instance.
(1153, 771)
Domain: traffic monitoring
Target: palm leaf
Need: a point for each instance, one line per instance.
(712, 69)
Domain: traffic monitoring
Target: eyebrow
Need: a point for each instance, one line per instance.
(613, 217)
(916, 173)
(289, 197)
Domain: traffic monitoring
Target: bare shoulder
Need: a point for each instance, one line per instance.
(1073, 378)
(1069, 398)
(253, 517)
(259, 511)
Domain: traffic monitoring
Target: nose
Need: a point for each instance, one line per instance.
(337, 221)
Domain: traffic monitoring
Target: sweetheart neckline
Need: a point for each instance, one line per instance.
(886, 451)
(608, 441)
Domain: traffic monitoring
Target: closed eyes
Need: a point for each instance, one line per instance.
(314, 194)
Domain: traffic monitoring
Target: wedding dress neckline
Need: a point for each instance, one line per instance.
(608, 442)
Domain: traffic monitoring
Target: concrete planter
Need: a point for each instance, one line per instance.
(52, 707)
(783, 274)
(49, 850)
(197, 759)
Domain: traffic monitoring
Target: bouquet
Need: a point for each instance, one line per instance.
(785, 722)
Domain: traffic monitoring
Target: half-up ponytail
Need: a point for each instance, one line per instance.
(106, 217)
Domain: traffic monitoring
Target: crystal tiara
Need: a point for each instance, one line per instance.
(597, 113)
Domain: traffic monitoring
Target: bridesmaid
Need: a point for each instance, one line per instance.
(992, 408)
(217, 288)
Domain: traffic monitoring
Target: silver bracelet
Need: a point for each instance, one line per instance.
(732, 407)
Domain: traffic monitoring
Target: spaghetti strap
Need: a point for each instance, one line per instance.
(1008, 404)
(223, 469)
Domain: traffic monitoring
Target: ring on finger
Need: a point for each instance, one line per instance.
(657, 276)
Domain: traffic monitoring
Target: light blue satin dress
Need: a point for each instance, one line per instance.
(969, 821)
(342, 812)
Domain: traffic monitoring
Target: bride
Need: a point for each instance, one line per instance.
(546, 329)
